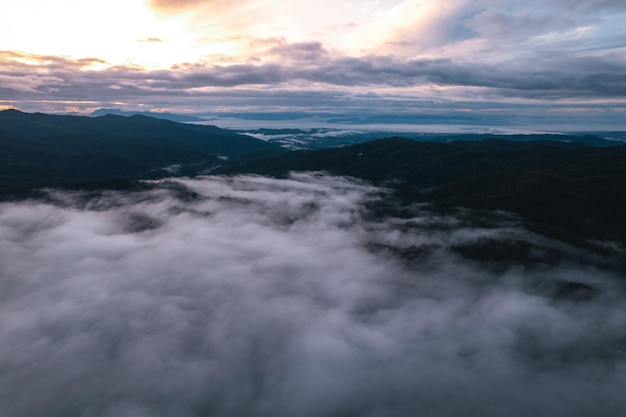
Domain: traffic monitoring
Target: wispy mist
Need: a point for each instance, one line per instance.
(248, 296)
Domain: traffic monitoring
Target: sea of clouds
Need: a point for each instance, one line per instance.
(250, 296)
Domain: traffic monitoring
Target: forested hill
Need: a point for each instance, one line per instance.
(208, 139)
(558, 188)
(40, 149)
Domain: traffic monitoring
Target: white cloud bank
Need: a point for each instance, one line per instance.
(249, 296)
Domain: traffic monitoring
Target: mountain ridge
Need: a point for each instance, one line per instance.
(180, 118)
(44, 150)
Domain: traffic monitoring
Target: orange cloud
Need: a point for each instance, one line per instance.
(18, 60)
(174, 4)
(179, 5)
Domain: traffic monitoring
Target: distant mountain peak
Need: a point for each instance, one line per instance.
(11, 111)
(155, 115)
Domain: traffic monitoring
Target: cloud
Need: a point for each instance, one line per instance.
(301, 51)
(30, 83)
(496, 29)
(550, 75)
(231, 296)
(174, 4)
(306, 78)
(421, 26)
(178, 5)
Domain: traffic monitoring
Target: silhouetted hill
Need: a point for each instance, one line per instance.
(565, 189)
(208, 139)
(40, 149)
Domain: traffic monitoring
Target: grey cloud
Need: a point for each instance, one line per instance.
(541, 75)
(30, 83)
(231, 296)
(538, 75)
(303, 51)
(594, 6)
(498, 25)
(493, 29)
(280, 47)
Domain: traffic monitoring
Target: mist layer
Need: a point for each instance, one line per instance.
(235, 296)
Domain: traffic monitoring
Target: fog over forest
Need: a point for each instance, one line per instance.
(307, 296)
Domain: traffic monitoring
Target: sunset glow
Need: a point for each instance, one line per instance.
(453, 51)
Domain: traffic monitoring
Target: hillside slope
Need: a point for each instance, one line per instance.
(40, 149)
(558, 188)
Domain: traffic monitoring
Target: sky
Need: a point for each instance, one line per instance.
(252, 296)
(559, 62)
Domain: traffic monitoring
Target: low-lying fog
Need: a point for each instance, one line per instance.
(250, 296)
